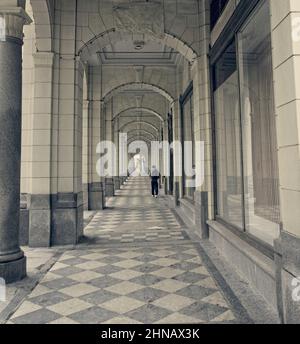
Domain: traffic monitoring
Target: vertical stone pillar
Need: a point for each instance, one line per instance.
(96, 184)
(123, 157)
(96, 188)
(109, 181)
(12, 259)
(85, 154)
(177, 188)
(67, 205)
(39, 197)
(117, 182)
(165, 159)
(202, 127)
(286, 64)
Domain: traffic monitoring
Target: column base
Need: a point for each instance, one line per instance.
(166, 182)
(96, 196)
(13, 271)
(176, 194)
(24, 221)
(40, 220)
(117, 183)
(123, 180)
(109, 187)
(201, 213)
(195, 213)
(85, 188)
(67, 222)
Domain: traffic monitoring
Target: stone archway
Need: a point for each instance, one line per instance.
(150, 111)
(143, 123)
(138, 86)
(41, 11)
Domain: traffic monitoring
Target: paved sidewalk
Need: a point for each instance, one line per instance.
(135, 265)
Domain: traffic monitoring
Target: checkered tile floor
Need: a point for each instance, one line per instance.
(152, 272)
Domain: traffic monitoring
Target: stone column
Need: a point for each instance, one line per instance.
(109, 180)
(12, 259)
(96, 189)
(203, 128)
(117, 181)
(39, 196)
(165, 160)
(85, 154)
(96, 131)
(177, 188)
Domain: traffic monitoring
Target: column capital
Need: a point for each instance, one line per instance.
(12, 20)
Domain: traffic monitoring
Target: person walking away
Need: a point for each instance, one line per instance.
(154, 181)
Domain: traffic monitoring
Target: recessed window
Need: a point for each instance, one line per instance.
(247, 182)
(261, 180)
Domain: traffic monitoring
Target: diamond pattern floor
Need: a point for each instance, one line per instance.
(140, 268)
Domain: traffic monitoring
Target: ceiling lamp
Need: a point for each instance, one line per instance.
(139, 45)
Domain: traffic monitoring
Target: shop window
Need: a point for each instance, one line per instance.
(247, 186)
(228, 138)
(261, 181)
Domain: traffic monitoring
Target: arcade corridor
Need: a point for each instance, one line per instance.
(96, 96)
(137, 265)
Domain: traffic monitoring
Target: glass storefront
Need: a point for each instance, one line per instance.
(228, 138)
(246, 147)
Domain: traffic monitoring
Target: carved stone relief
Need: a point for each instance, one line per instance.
(140, 18)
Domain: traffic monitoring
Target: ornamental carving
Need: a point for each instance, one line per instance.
(140, 18)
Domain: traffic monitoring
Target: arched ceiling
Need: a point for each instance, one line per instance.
(132, 101)
(113, 31)
(136, 87)
(139, 112)
(141, 124)
(140, 132)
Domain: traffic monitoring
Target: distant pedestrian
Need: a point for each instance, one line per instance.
(154, 181)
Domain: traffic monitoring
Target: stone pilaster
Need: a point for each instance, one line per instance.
(286, 65)
(203, 128)
(12, 259)
(86, 175)
(67, 206)
(96, 132)
(39, 197)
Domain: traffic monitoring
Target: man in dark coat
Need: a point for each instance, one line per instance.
(154, 181)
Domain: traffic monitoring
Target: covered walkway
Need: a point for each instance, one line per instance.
(202, 92)
(136, 265)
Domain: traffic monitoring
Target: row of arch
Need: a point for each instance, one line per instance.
(42, 14)
(42, 10)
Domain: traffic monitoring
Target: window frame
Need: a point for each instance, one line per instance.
(234, 26)
(214, 19)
